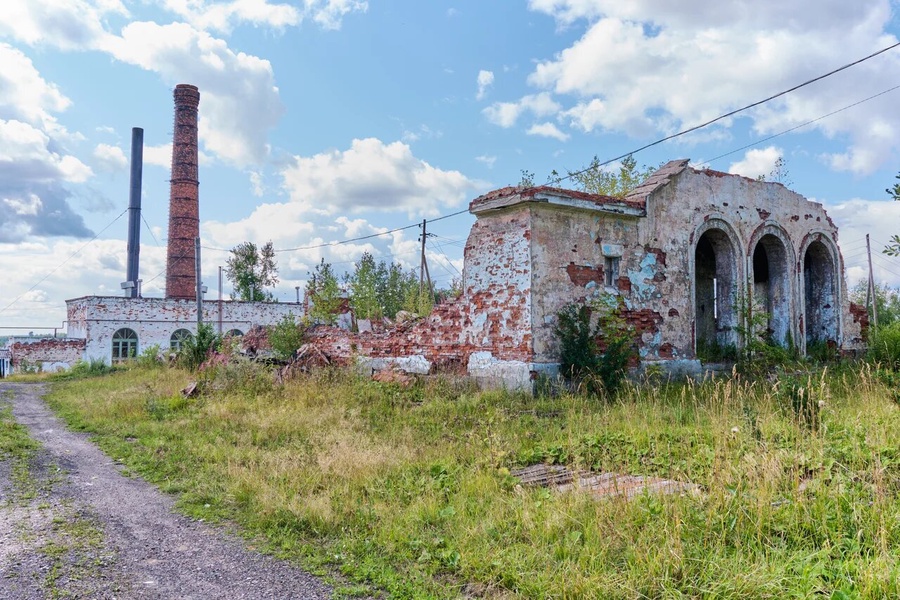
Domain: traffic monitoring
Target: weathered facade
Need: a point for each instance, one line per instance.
(113, 328)
(41, 354)
(691, 254)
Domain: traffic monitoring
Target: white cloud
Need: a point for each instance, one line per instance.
(329, 13)
(223, 16)
(69, 24)
(372, 175)
(24, 94)
(487, 160)
(485, 80)
(857, 217)
(649, 67)
(110, 158)
(240, 103)
(505, 114)
(757, 162)
(235, 118)
(548, 130)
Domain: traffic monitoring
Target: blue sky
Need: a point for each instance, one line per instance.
(323, 120)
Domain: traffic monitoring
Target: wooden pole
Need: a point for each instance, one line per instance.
(871, 289)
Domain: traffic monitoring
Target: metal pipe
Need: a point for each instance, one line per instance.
(134, 210)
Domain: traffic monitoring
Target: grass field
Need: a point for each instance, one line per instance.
(408, 491)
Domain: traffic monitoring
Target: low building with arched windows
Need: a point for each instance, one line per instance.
(114, 328)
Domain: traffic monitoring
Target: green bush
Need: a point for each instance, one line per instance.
(151, 357)
(286, 337)
(597, 356)
(194, 350)
(884, 346)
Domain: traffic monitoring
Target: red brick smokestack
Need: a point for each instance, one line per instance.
(184, 198)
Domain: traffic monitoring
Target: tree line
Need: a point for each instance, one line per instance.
(373, 289)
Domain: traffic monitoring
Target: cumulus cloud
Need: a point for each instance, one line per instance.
(485, 80)
(487, 160)
(69, 25)
(648, 67)
(223, 16)
(234, 119)
(34, 162)
(372, 175)
(757, 162)
(110, 158)
(858, 217)
(548, 130)
(505, 114)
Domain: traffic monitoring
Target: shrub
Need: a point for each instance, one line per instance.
(195, 349)
(596, 356)
(286, 337)
(151, 357)
(884, 346)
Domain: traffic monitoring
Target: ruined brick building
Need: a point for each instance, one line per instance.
(690, 253)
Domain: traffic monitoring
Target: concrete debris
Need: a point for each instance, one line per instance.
(602, 485)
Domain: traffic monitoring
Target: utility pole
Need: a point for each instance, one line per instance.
(422, 262)
(871, 290)
(220, 301)
(199, 283)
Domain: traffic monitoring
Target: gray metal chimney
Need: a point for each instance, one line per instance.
(132, 283)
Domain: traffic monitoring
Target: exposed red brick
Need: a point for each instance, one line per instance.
(582, 275)
(860, 315)
(659, 253)
(184, 197)
(763, 214)
(667, 351)
(624, 284)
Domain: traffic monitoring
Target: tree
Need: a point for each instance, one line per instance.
(893, 248)
(286, 337)
(250, 270)
(887, 300)
(363, 286)
(594, 180)
(323, 290)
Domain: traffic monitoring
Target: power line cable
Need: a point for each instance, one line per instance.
(60, 265)
(370, 236)
(726, 115)
(802, 125)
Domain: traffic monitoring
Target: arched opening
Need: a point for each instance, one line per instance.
(235, 333)
(179, 338)
(715, 278)
(821, 308)
(124, 344)
(772, 290)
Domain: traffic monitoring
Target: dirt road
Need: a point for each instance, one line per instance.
(71, 525)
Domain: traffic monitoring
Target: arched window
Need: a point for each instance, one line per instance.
(179, 338)
(235, 333)
(124, 344)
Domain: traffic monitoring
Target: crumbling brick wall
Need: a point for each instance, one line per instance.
(47, 354)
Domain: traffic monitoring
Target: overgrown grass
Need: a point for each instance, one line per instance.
(17, 448)
(409, 491)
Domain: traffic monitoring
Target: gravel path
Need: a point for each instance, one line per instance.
(83, 530)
